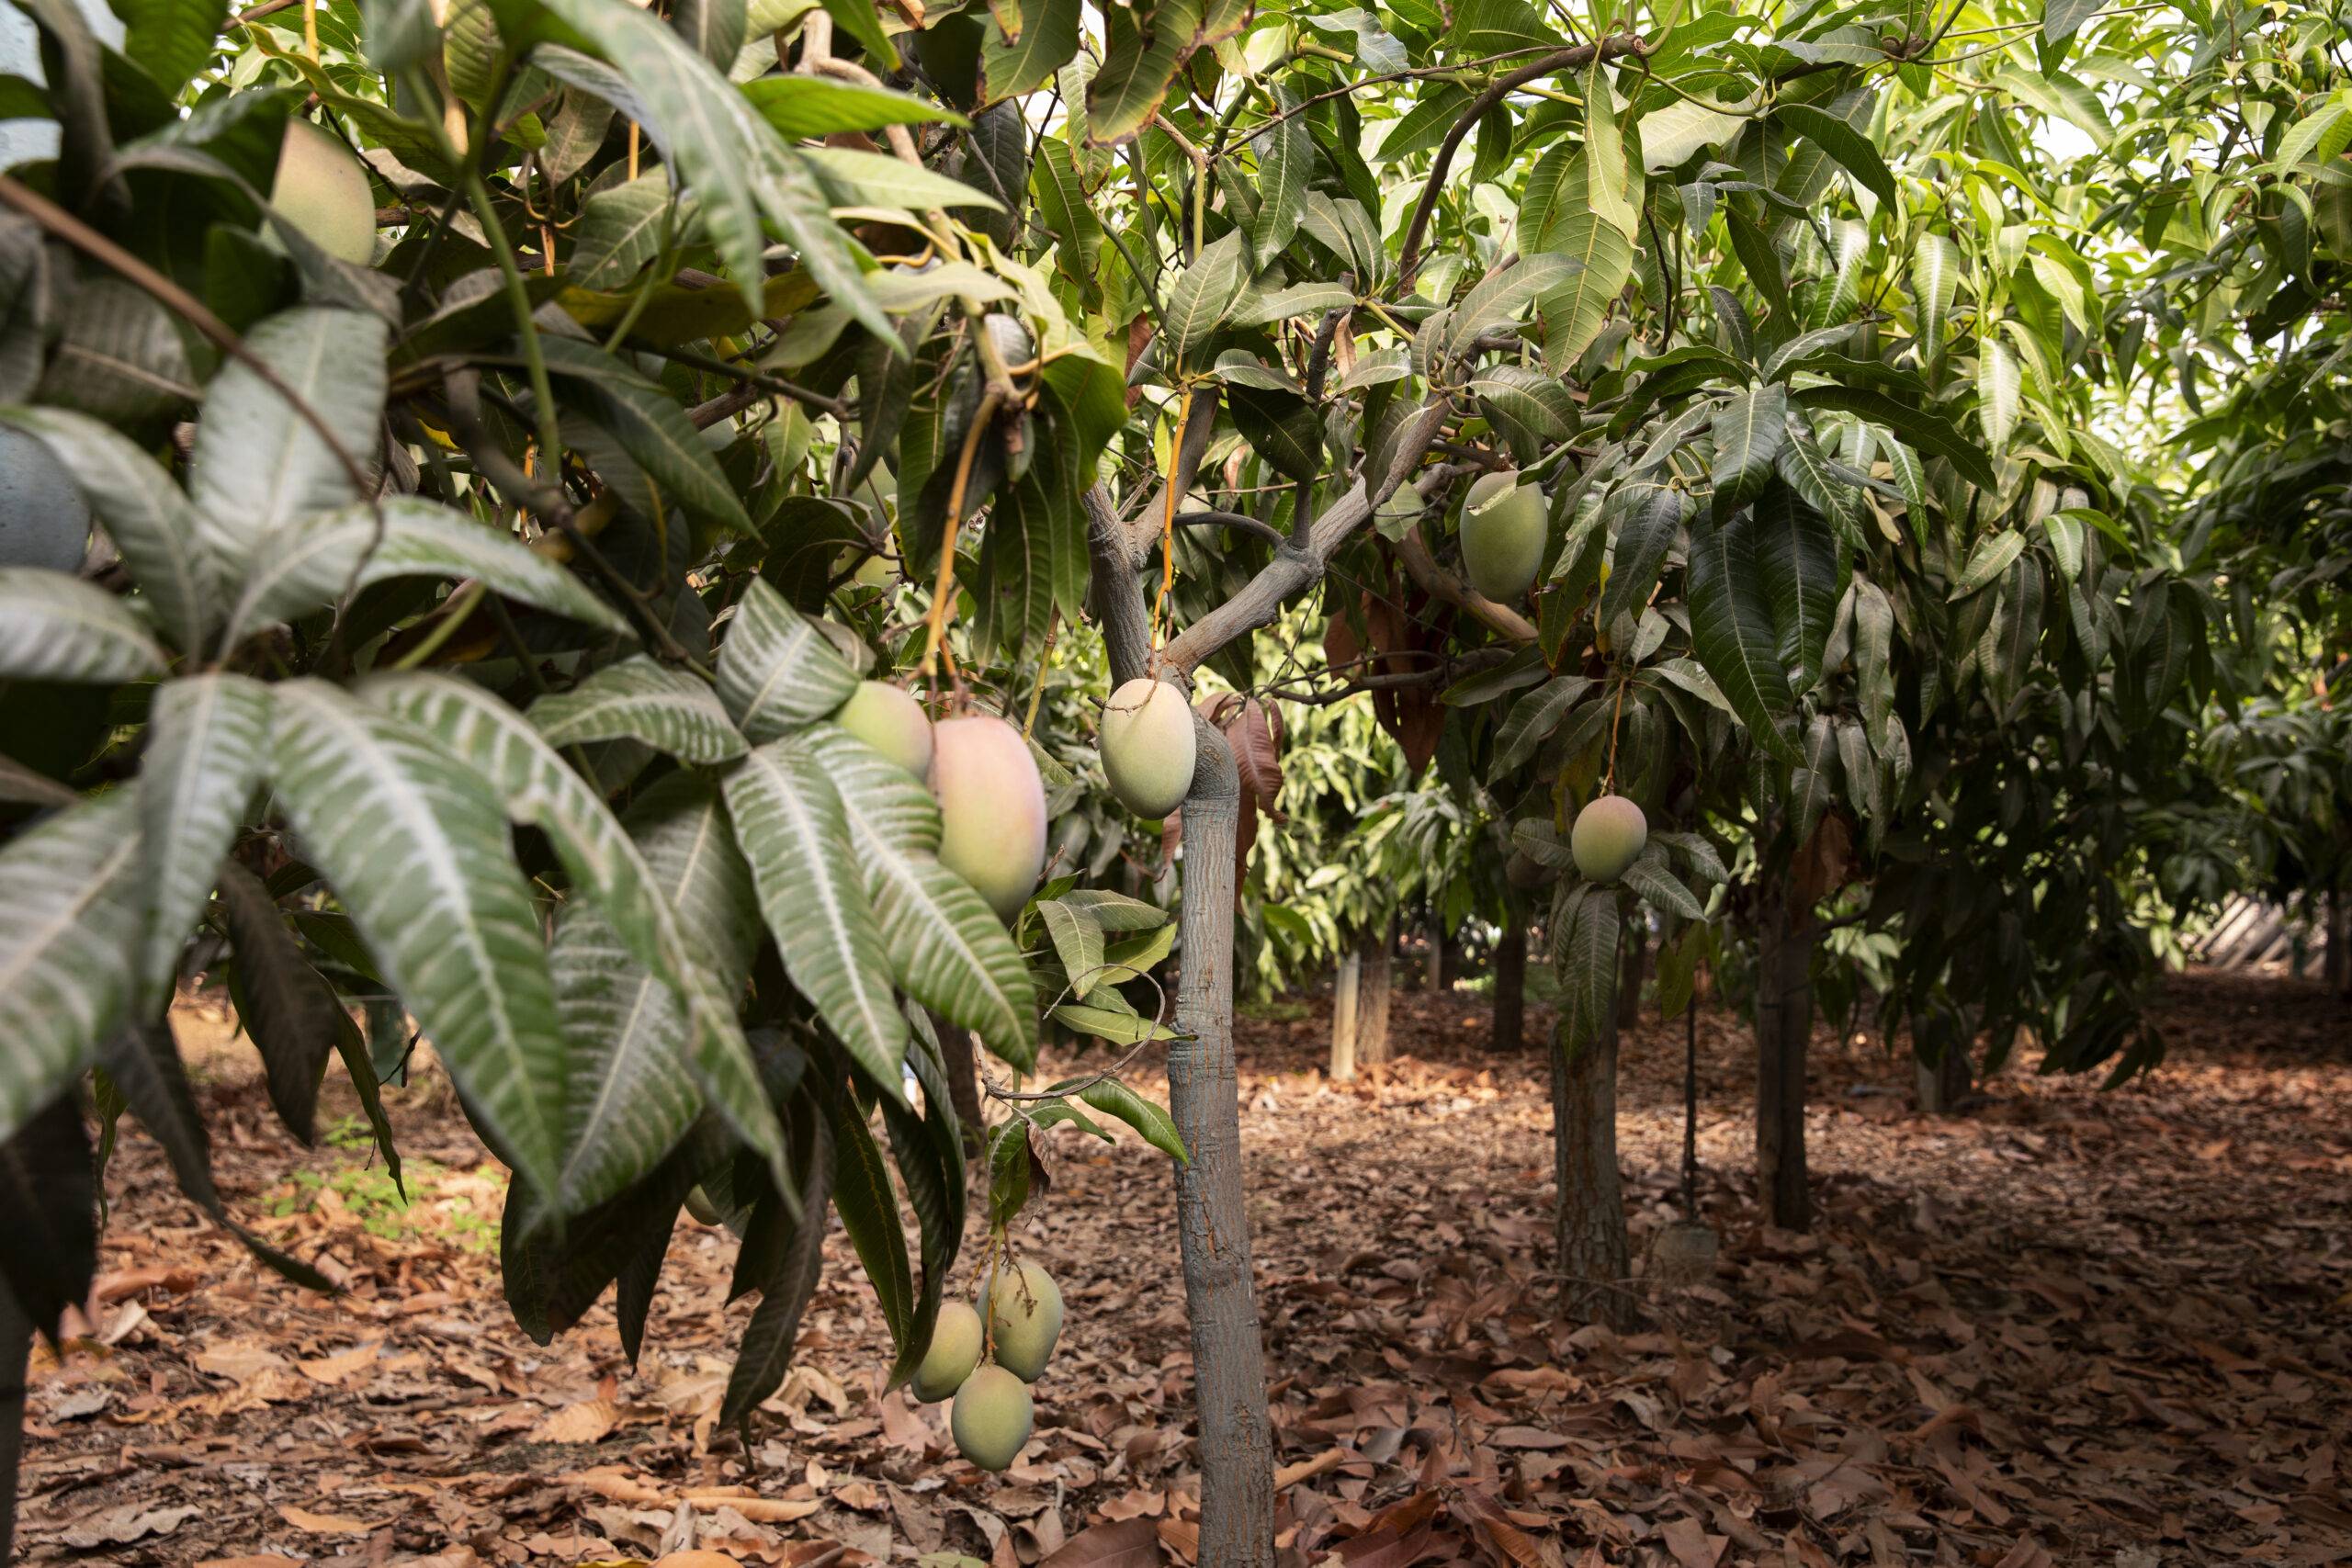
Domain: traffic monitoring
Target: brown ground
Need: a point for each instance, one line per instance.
(2073, 1328)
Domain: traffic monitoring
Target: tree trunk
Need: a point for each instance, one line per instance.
(1510, 989)
(2339, 942)
(1637, 965)
(1373, 988)
(1594, 1257)
(1213, 1220)
(15, 1352)
(1784, 942)
(1435, 978)
(1938, 1090)
(1343, 1019)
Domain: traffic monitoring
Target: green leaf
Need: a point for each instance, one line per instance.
(800, 108)
(258, 465)
(1146, 45)
(790, 820)
(2000, 387)
(776, 671)
(1935, 279)
(1119, 1028)
(869, 1211)
(55, 627)
(727, 157)
(1849, 147)
(651, 428)
(309, 563)
(640, 699)
(1542, 403)
(1605, 148)
(1048, 40)
(49, 1211)
(1078, 943)
(622, 227)
(1576, 311)
(607, 866)
(1803, 570)
(1987, 561)
(1924, 430)
(68, 931)
(171, 40)
(1202, 295)
(1584, 956)
(1732, 629)
(143, 513)
(1649, 518)
(1158, 1129)
(1257, 310)
(417, 849)
(859, 179)
(1497, 301)
(1534, 718)
(1285, 157)
(1749, 429)
(765, 1354)
(287, 1008)
(1648, 877)
(947, 949)
(207, 749)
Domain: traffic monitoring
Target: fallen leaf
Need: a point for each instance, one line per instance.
(325, 1524)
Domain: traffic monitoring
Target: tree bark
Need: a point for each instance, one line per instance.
(1374, 986)
(1343, 1018)
(2339, 942)
(1589, 1243)
(1434, 977)
(1510, 989)
(15, 1353)
(1204, 1097)
(1213, 1219)
(1939, 1089)
(1785, 941)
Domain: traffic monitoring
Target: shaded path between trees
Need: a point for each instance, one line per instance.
(2071, 1327)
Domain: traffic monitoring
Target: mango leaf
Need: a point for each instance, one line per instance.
(776, 671)
(417, 849)
(55, 627)
(206, 747)
(69, 934)
(1732, 629)
(642, 699)
(289, 1009)
(1158, 1129)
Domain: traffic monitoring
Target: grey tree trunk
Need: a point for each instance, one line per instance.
(1785, 936)
(1589, 1243)
(1344, 989)
(1374, 986)
(2339, 942)
(1203, 1096)
(1510, 989)
(1938, 1090)
(1213, 1220)
(15, 1353)
(1435, 978)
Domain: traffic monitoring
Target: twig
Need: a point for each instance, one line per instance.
(944, 590)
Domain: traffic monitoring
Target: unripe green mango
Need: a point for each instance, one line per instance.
(1503, 525)
(991, 808)
(991, 1417)
(1147, 746)
(699, 1205)
(955, 1351)
(892, 722)
(1607, 837)
(43, 520)
(1024, 1318)
(322, 190)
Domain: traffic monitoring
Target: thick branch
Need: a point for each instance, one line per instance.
(1297, 567)
(1615, 46)
(1442, 585)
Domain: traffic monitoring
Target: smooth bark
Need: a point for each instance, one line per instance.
(1434, 977)
(1510, 989)
(1373, 988)
(2339, 942)
(1590, 1247)
(1785, 936)
(1235, 1438)
(1940, 1088)
(1344, 989)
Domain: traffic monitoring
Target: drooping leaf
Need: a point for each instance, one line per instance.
(641, 699)
(416, 847)
(776, 671)
(55, 627)
(1732, 629)
(286, 1006)
(68, 931)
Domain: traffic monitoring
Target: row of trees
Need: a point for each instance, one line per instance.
(485, 562)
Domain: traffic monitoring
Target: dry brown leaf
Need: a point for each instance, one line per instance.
(325, 1524)
(589, 1421)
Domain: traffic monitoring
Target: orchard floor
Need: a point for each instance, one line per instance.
(2068, 1327)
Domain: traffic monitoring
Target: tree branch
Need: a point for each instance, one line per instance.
(1616, 46)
